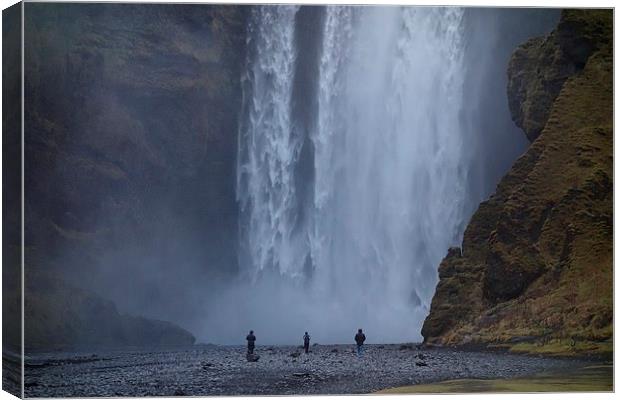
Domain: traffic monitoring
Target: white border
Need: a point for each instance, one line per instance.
(476, 3)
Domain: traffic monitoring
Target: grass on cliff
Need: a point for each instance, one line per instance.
(596, 378)
(556, 211)
(565, 348)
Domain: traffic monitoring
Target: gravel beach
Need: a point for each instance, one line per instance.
(281, 370)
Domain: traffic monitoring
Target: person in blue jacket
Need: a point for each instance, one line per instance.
(359, 339)
(251, 341)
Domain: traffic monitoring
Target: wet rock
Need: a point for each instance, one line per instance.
(421, 364)
(252, 357)
(295, 354)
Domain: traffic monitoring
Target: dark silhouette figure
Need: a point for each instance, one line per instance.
(359, 339)
(306, 342)
(251, 339)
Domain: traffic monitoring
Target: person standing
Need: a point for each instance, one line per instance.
(251, 340)
(359, 339)
(306, 342)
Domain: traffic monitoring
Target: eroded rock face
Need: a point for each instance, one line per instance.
(537, 256)
(538, 68)
(131, 132)
(129, 110)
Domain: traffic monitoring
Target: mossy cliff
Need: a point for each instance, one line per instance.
(535, 267)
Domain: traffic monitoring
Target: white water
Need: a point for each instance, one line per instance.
(265, 180)
(387, 196)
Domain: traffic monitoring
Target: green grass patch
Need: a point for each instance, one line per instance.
(594, 378)
(565, 348)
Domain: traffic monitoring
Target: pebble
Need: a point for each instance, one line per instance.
(330, 370)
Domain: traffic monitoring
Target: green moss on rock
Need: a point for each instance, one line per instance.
(538, 68)
(537, 256)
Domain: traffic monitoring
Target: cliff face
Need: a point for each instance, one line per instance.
(130, 111)
(540, 67)
(536, 260)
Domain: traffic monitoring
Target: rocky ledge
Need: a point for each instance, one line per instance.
(534, 272)
(62, 317)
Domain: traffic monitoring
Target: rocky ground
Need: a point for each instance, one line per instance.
(281, 370)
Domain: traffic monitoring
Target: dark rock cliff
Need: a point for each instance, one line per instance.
(59, 316)
(536, 259)
(131, 110)
(539, 68)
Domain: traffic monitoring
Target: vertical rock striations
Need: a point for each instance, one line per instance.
(536, 259)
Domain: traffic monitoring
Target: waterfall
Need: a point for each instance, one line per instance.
(356, 242)
(267, 150)
(388, 193)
